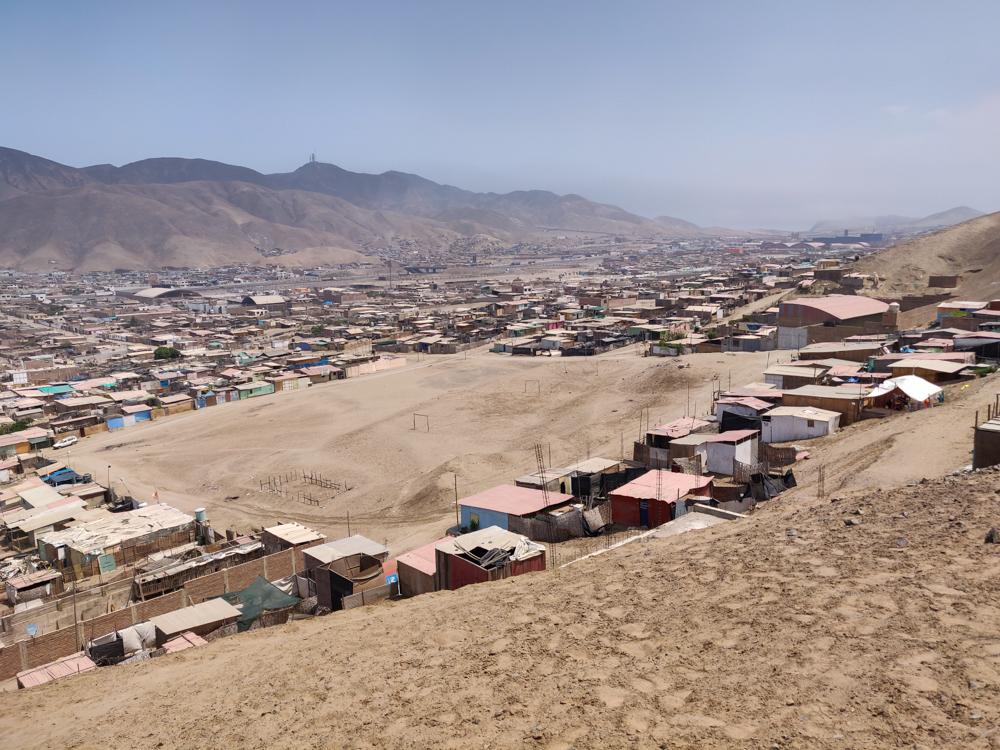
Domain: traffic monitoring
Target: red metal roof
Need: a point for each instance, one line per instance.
(517, 501)
(423, 558)
(672, 484)
(679, 427)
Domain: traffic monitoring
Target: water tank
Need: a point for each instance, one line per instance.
(200, 514)
(893, 307)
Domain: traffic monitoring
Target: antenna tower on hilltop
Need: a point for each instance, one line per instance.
(312, 157)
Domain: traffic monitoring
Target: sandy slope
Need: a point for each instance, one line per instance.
(787, 629)
(970, 249)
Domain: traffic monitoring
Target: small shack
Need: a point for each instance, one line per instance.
(289, 536)
(201, 619)
(785, 423)
(651, 499)
(32, 586)
(416, 569)
(323, 554)
(489, 554)
(496, 506)
(724, 449)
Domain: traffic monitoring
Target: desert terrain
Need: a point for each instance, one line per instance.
(485, 413)
(788, 629)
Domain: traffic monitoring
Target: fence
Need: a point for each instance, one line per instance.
(65, 640)
(742, 472)
(278, 484)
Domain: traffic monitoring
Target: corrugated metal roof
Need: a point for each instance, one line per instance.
(189, 618)
(492, 537)
(517, 501)
(733, 436)
(929, 364)
(802, 412)
(352, 545)
(671, 484)
(181, 642)
(294, 533)
(423, 558)
(843, 307)
(65, 667)
(94, 537)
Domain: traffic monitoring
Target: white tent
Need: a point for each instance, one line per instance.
(913, 386)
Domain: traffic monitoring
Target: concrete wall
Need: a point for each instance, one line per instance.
(792, 338)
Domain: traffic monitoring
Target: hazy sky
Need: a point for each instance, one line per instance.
(741, 114)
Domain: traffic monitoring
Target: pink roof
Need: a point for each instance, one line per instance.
(672, 483)
(517, 501)
(843, 306)
(730, 437)
(423, 558)
(21, 437)
(679, 427)
(136, 408)
(182, 642)
(753, 403)
(68, 665)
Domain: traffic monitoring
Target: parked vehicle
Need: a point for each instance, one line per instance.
(66, 442)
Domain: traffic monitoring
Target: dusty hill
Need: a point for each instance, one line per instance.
(788, 629)
(891, 223)
(154, 212)
(22, 173)
(192, 224)
(971, 249)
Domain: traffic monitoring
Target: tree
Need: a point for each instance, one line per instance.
(316, 330)
(712, 335)
(166, 352)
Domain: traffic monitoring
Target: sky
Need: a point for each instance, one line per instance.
(735, 114)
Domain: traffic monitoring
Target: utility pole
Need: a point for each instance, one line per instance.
(458, 514)
(76, 635)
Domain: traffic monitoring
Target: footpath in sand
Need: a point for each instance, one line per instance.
(787, 629)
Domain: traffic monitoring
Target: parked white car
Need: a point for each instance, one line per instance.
(66, 442)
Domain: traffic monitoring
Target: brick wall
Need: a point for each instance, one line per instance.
(108, 623)
(160, 605)
(10, 661)
(241, 576)
(281, 564)
(45, 648)
(200, 589)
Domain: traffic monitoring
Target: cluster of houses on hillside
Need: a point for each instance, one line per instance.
(151, 580)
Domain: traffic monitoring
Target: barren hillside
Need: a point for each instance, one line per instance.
(787, 629)
(971, 249)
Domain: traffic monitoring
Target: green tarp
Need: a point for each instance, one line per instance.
(256, 599)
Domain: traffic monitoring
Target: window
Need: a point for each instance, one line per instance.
(473, 521)
(811, 422)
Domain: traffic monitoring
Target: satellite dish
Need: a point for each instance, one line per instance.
(31, 630)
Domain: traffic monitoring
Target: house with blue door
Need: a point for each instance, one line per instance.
(495, 507)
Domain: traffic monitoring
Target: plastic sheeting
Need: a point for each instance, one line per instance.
(526, 548)
(914, 386)
(259, 597)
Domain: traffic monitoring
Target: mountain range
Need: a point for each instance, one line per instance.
(194, 212)
(888, 224)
